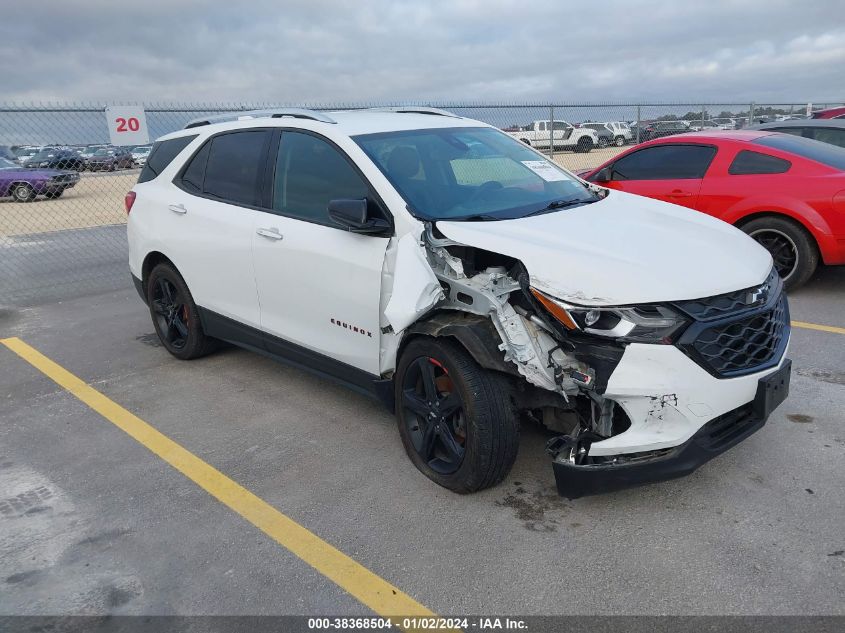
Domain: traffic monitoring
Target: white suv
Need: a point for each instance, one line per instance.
(446, 268)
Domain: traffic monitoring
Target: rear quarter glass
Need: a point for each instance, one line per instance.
(162, 154)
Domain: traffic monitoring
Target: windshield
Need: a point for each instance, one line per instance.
(104, 152)
(5, 163)
(45, 153)
(471, 174)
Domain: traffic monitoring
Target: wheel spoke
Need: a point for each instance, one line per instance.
(413, 402)
(450, 405)
(181, 328)
(427, 370)
(158, 308)
(427, 444)
(454, 451)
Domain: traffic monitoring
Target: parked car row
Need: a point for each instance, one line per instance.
(90, 157)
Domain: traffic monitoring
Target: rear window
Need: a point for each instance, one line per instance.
(823, 153)
(162, 155)
(748, 162)
(234, 166)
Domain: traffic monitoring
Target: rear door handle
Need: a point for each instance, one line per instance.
(272, 234)
(679, 194)
(178, 208)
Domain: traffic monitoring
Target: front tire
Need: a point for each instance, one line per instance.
(455, 419)
(175, 315)
(619, 141)
(52, 195)
(792, 247)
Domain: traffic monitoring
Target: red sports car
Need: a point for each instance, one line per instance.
(786, 191)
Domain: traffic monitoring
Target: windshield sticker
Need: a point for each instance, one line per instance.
(545, 170)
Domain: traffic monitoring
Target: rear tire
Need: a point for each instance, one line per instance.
(584, 145)
(792, 247)
(468, 438)
(52, 195)
(175, 315)
(619, 141)
(603, 142)
(23, 192)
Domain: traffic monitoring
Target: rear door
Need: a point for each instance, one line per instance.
(208, 219)
(672, 172)
(319, 285)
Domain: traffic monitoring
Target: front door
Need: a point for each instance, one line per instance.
(319, 286)
(671, 172)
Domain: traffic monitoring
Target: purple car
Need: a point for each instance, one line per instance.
(25, 184)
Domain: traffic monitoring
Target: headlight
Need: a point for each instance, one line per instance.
(638, 324)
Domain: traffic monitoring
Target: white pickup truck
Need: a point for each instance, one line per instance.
(565, 135)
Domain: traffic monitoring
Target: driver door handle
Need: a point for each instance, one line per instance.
(677, 193)
(178, 208)
(272, 234)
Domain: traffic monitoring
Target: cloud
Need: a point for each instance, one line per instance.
(455, 50)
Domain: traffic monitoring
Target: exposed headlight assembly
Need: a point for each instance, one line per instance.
(647, 323)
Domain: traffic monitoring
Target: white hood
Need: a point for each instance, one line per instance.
(622, 250)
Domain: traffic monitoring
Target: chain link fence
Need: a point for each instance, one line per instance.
(63, 242)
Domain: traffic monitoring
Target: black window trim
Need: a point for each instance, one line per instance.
(664, 144)
(268, 178)
(372, 194)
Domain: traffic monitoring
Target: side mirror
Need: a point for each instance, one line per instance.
(605, 174)
(351, 214)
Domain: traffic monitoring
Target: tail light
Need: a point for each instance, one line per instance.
(128, 201)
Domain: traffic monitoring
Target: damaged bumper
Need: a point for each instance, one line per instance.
(617, 472)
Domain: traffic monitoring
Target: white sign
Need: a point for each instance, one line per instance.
(545, 170)
(127, 125)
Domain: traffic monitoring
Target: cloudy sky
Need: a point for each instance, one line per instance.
(481, 50)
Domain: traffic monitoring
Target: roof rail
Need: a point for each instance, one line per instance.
(273, 113)
(415, 110)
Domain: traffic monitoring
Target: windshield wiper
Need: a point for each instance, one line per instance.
(554, 205)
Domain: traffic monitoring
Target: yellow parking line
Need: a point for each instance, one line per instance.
(821, 328)
(370, 589)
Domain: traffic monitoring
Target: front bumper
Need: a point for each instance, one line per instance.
(715, 437)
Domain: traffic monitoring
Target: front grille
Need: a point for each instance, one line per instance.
(723, 431)
(745, 344)
(731, 302)
(740, 332)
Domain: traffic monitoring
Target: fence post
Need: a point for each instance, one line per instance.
(751, 113)
(552, 132)
(638, 124)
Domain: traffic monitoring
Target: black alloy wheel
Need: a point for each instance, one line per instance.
(434, 415)
(783, 250)
(171, 314)
(793, 250)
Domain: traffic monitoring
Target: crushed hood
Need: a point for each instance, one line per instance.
(624, 249)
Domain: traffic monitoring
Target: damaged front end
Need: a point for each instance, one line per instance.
(624, 386)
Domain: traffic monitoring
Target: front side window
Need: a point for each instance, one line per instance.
(748, 162)
(309, 173)
(473, 173)
(235, 166)
(664, 162)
